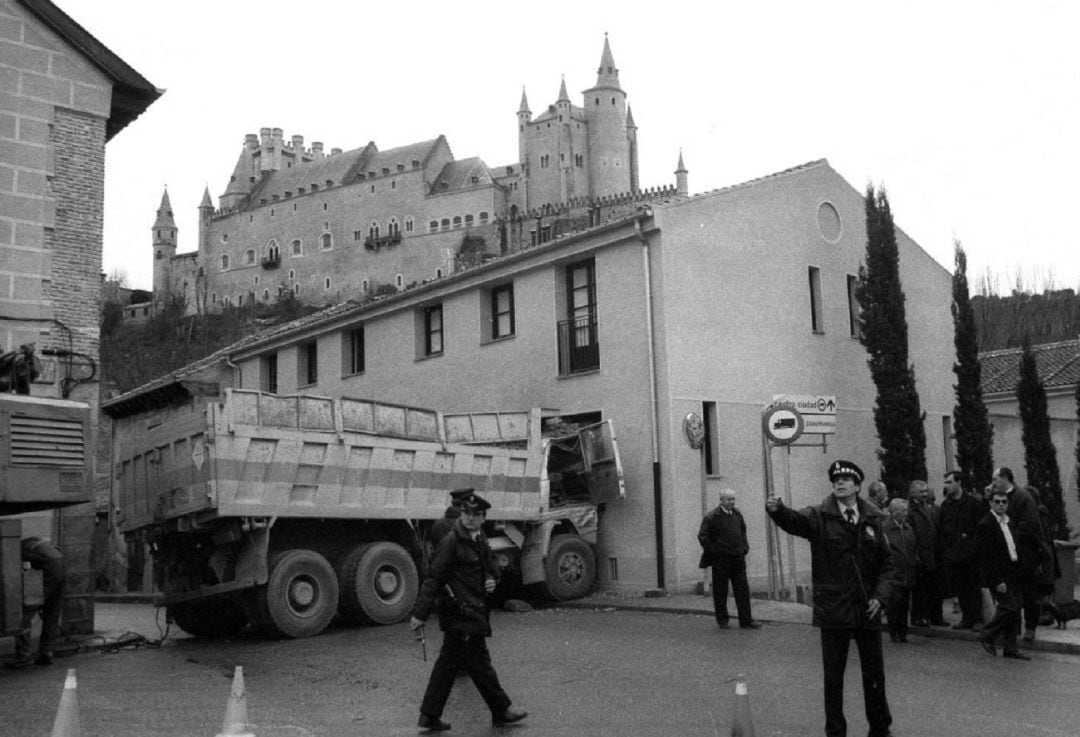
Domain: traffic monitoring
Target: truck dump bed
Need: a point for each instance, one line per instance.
(265, 455)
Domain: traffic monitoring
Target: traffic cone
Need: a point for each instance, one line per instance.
(741, 724)
(66, 723)
(235, 723)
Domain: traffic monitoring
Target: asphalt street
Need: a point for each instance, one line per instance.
(602, 672)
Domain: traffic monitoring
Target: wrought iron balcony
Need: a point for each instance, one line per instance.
(271, 262)
(374, 244)
(579, 346)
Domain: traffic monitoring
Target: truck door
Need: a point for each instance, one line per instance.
(603, 468)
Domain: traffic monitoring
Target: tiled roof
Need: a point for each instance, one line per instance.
(1058, 365)
(457, 175)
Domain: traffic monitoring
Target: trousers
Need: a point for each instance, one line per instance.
(730, 568)
(835, 643)
(468, 652)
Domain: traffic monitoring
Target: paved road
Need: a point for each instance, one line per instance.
(578, 672)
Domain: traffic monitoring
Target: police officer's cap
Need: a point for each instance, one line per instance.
(457, 496)
(845, 468)
(473, 502)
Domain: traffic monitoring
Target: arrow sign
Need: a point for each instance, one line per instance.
(818, 411)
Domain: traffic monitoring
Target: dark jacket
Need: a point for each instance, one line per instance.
(902, 547)
(992, 554)
(455, 584)
(722, 534)
(924, 520)
(851, 563)
(956, 528)
(1023, 512)
(44, 557)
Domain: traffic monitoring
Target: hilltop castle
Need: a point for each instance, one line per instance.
(347, 224)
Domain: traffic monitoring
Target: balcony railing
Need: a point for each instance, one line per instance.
(372, 243)
(271, 262)
(579, 347)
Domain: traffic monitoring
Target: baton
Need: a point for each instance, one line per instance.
(423, 642)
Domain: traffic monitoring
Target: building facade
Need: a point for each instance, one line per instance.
(333, 225)
(706, 305)
(63, 95)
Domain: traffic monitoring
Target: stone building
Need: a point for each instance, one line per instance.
(333, 225)
(63, 95)
(659, 314)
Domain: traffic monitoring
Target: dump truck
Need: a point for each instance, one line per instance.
(45, 462)
(286, 511)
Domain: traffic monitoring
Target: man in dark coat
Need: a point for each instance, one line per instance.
(852, 576)
(442, 526)
(724, 547)
(926, 598)
(905, 557)
(458, 580)
(960, 513)
(997, 548)
(1023, 510)
(42, 556)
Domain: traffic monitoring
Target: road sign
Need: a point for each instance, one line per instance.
(818, 411)
(783, 425)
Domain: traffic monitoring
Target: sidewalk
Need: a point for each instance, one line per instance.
(1047, 639)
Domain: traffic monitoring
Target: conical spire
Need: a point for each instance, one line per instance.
(630, 118)
(563, 97)
(164, 213)
(682, 167)
(206, 201)
(607, 75)
(524, 107)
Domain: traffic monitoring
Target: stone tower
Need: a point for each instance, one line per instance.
(609, 144)
(682, 184)
(164, 250)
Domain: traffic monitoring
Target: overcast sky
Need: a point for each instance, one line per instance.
(968, 113)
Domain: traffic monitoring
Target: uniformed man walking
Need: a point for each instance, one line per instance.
(458, 580)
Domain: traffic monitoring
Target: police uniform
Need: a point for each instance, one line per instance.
(455, 585)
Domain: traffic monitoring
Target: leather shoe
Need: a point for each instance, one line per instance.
(432, 724)
(508, 717)
(988, 646)
(44, 659)
(963, 626)
(1015, 655)
(753, 624)
(722, 625)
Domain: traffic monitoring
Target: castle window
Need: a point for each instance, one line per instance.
(371, 174)
(361, 176)
(266, 295)
(324, 206)
(408, 225)
(364, 285)
(326, 284)
(373, 231)
(483, 217)
(579, 160)
(415, 164)
(474, 180)
(393, 184)
(273, 253)
(299, 190)
(297, 247)
(213, 298)
(401, 167)
(457, 221)
(562, 158)
(612, 100)
(385, 170)
(249, 256)
(294, 205)
(597, 100)
(296, 288)
(445, 224)
(327, 241)
(329, 182)
(373, 189)
(438, 273)
(288, 194)
(224, 237)
(468, 221)
(394, 228)
(433, 226)
(357, 235)
(314, 187)
(292, 274)
(158, 255)
(399, 281)
(224, 262)
(239, 300)
(255, 281)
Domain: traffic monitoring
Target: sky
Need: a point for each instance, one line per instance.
(967, 113)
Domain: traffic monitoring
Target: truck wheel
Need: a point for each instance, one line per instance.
(379, 583)
(570, 568)
(220, 617)
(300, 597)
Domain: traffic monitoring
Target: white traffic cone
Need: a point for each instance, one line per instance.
(66, 723)
(235, 723)
(741, 723)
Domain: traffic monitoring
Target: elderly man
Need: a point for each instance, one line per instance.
(879, 495)
(723, 539)
(905, 557)
(852, 572)
(926, 597)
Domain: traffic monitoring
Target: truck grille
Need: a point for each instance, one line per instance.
(47, 441)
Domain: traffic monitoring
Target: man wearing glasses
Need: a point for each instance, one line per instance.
(457, 582)
(999, 562)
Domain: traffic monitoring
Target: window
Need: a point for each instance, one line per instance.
(394, 228)
(433, 226)
(266, 295)
(373, 231)
(502, 311)
(579, 346)
(352, 351)
(408, 225)
(711, 446)
(326, 284)
(273, 253)
(297, 248)
(433, 330)
(269, 374)
(224, 262)
(327, 241)
(468, 221)
(307, 369)
(483, 218)
(249, 256)
(445, 224)
(853, 306)
(457, 221)
(816, 321)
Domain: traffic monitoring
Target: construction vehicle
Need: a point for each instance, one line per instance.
(285, 512)
(45, 458)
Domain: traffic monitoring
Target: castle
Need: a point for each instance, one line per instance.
(352, 224)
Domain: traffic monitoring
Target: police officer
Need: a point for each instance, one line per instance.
(853, 577)
(46, 558)
(457, 582)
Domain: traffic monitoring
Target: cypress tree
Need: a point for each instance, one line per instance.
(897, 415)
(973, 431)
(1040, 457)
(1077, 452)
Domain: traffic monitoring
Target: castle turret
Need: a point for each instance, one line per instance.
(206, 212)
(681, 183)
(164, 240)
(631, 137)
(608, 145)
(244, 173)
(524, 115)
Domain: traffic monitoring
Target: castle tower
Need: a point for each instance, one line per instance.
(206, 211)
(608, 142)
(681, 184)
(164, 239)
(524, 116)
(631, 138)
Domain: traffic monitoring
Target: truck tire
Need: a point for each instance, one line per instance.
(570, 568)
(379, 583)
(299, 599)
(216, 618)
